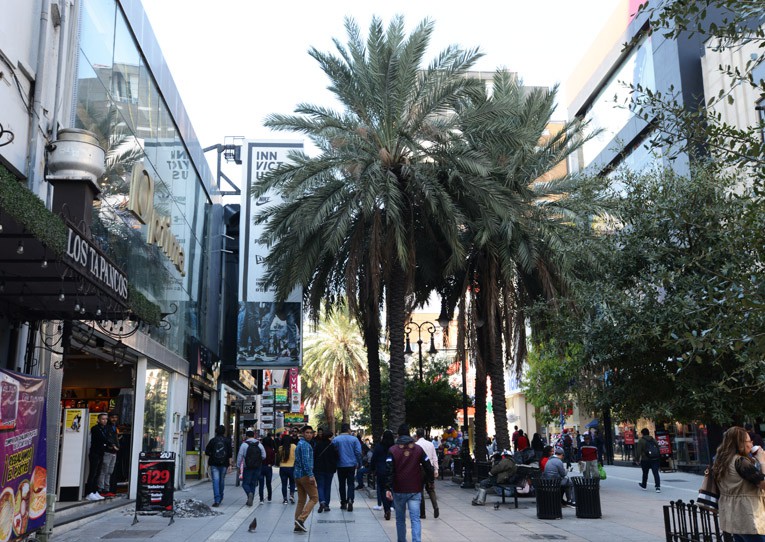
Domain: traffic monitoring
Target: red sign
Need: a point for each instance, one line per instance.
(665, 446)
(294, 379)
(629, 437)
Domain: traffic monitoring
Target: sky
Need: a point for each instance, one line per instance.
(236, 61)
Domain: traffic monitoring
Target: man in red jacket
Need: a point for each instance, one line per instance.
(406, 464)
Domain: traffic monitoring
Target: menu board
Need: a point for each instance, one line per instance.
(23, 454)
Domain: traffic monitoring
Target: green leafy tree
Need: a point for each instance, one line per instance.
(431, 403)
(355, 214)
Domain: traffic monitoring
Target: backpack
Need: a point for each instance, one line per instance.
(652, 449)
(219, 451)
(252, 458)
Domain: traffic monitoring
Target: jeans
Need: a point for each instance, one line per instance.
(360, 475)
(345, 481)
(653, 466)
(306, 488)
(250, 480)
(95, 460)
(287, 474)
(266, 474)
(402, 501)
(381, 498)
(218, 475)
(107, 467)
(324, 481)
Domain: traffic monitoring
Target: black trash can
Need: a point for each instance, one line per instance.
(547, 491)
(587, 495)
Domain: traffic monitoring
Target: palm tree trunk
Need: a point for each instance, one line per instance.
(496, 369)
(371, 328)
(395, 308)
(480, 396)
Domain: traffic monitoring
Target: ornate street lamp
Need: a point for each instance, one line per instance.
(428, 327)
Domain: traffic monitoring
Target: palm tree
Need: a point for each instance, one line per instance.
(334, 364)
(354, 215)
(516, 256)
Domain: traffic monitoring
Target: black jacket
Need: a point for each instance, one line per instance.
(98, 440)
(324, 456)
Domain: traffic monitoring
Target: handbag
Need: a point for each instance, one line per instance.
(602, 472)
(708, 493)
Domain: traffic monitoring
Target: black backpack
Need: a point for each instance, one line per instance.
(252, 458)
(652, 449)
(219, 451)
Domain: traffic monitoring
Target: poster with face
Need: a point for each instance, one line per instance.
(23, 454)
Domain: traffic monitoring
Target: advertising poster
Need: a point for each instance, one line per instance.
(73, 420)
(665, 446)
(281, 397)
(155, 490)
(629, 437)
(269, 333)
(23, 441)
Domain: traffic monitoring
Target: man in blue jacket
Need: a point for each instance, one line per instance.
(349, 459)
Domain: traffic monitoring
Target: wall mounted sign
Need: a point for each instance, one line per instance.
(86, 256)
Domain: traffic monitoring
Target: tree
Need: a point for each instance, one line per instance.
(431, 403)
(334, 365)
(515, 254)
(354, 215)
(671, 328)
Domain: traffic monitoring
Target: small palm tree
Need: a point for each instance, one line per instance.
(334, 364)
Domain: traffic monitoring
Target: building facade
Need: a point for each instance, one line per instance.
(141, 335)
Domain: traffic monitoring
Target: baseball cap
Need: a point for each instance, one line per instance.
(558, 451)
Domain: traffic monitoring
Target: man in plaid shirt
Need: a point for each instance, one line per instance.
(304, 480)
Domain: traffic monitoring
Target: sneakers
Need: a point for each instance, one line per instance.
(658, 490)
(387, 515)
(250, 498)
(349, 508)
(284, 501)
(642, 486)
(326, 508)
(300, 527)
(321, 508)
(292, 499)
(343, 506)
(378, 507)
(106, 494)
(94, 497)
(435, 513)
(215, 504)
(262, 501)
(359, 487)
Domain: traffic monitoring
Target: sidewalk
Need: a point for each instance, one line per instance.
(628, 514)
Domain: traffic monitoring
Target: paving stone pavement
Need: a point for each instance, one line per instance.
(628, 514)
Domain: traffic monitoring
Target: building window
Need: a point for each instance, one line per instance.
(760, 107)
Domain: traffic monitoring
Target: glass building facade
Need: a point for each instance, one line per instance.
(118, 98)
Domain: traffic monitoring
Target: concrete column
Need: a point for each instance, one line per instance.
(140, 406)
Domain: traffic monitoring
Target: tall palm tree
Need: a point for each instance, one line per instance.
(334, 364)
(517, 255)
(354, 215)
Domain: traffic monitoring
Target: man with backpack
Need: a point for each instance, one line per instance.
(219, 453)
(647, 450)
(249, 460)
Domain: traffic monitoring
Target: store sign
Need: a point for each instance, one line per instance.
(22, 454)
(141, 205)
(91, 261)
(665, 445)
(156, 474)
(295, 402)
(629, 437)
(281, 397)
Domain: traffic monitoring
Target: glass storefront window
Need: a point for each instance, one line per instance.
(155, 410)
(610, 110)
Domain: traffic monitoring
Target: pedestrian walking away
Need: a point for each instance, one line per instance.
(348, 460)
(647, 452)
(427, 446)
(286, 457)
(305, 480)
(267, 469)
(249, 461)
(324, 468)
(219, 453)
(379, 466)
(408, 468)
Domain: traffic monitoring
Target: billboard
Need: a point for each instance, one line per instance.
(269, 334)
(23, 454)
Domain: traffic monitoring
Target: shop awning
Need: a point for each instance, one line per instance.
(594, 423)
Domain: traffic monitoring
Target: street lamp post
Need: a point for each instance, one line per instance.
(427, 326)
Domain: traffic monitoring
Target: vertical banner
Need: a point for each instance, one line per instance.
(269, 334)
(156, 473)
(23, 453)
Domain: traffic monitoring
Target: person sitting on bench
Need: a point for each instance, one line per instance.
(556, 469)
(500, 474)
